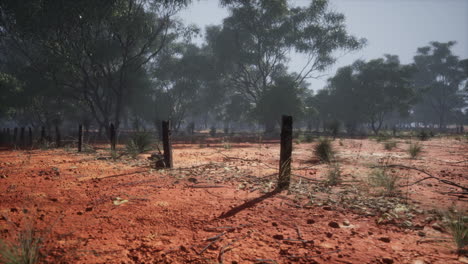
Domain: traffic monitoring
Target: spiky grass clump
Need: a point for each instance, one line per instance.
(458, 226)
(324, 151)
(389, 145)
(414, 150)
(423, 135)
(334, 175)
(388, 182)
(139, 143)
(26, 250)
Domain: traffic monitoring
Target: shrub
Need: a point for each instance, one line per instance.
(382, 137)
(423, 135)
(389, 145)
(323, 150)
(309, 138)
(334, 175)
(414, 150)
(458, 227)
(26, 250)
(139, 143)
(389, 182)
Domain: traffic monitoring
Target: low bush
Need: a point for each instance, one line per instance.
(389, 145)
(389, 182)
(324, 151)
(139, 143)
(414, 150)
(458, 226)
(334, 175)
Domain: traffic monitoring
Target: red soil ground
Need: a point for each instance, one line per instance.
(215, 206)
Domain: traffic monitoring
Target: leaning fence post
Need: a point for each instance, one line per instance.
(285, 153)
(112, 136)
(166, 133)
(80, 137)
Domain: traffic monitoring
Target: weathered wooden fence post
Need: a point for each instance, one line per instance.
(80, 137)
(112, 136)
(57, 137)
(166, 134)
(30, 137)
(22, 138)
(285, 153)
(43, 135)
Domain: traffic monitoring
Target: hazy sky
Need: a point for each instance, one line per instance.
(390, 26)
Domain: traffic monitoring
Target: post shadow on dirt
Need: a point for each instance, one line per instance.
(249, 204)
(284, 175)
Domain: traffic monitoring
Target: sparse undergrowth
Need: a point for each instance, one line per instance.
(26, 250)
(457, 224)
(139, 143)
(389, 145)
(414, 150)
(334, 175)
(324, 151)
(382, 179)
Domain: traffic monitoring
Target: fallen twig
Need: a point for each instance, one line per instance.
(226, 247)
(422, 171)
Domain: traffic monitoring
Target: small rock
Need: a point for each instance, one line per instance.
(421, 234)
(310, 221)
(333, 224)
(327, 208)
(328, 234)
(346, 223)
(437, 227)
(387, 260)
(279, 237)
(88, 209)
(385, 239)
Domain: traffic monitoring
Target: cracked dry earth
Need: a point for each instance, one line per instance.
(216, 206)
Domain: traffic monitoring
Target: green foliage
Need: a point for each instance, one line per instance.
(458, 226)
(389, 145)
(26, 250)
(212, 131)
(414, 150)
(388, 182)
(309, 138)
(369, 92)
(439, 79)
(324, 151)
(423, 135)
(139, 143)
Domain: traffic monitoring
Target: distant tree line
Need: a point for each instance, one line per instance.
(133, 63)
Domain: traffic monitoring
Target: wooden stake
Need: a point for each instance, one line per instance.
(166, 130)
(285, 153)
(112, 136)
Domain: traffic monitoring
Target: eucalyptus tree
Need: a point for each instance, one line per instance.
(368, 92)
(440, 79)
(94, 50)
(258, 36)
